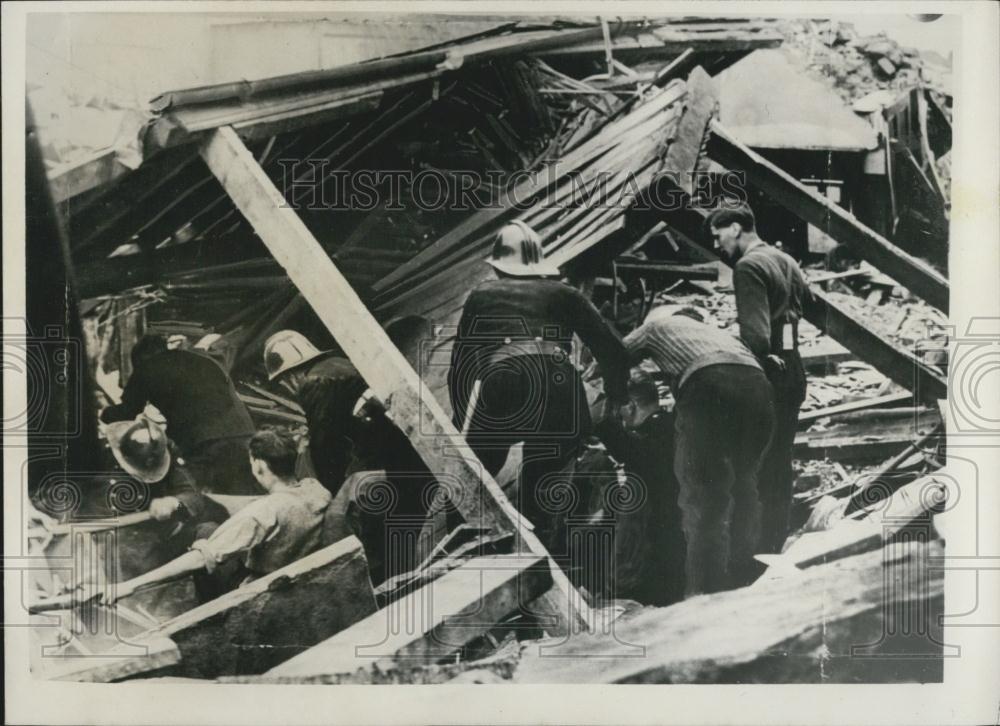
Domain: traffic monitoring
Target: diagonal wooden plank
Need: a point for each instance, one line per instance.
(410, 405)
(263, 623)
(830, 217)
(811, 625)
(902, 366)
(430, 623)
(109, 667)
(702, 101)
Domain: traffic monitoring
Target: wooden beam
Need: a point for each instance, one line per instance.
(816, 209)
(429, 624)
(409, 403)
(809, 626)
(899, 365)
(110, 667)
(261, 624)
(685, 152)
(70, 180)
(874, 437)
(863, 404)
(664, 272)
(822, 356)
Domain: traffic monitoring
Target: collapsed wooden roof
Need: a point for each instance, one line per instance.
(191, 204)
(489, 104)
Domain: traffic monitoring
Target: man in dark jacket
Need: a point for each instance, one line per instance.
(511, 372)
(770, 293)
(205, 417)
(349, 434)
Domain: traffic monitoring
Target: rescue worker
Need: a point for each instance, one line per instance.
(770, 293)
(354, 449)
(154, 477)
(724, 417)
(205, 417)
(511, 372)
(649, 539)
(328, 388)
(265, 535)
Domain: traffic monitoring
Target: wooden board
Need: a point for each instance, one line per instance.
(814, 208)
(267, 621)
(822, 357)
(898, 364)
(911, 506)
(809, 627)
(156, 653)
(875, 437)
(431, 623)
(702, 102)
(862, 404)
(409, 404)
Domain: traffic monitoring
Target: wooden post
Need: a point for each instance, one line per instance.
(409, 403)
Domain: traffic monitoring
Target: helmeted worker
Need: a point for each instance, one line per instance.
(770, 293)
(512, 355)
(205, 417)
(267, 534)
(349, 434)
(723, 419)
(328, 388)
(155, 478)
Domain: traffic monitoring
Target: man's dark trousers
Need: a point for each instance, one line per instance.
(540, 400)
(776, 472)
(724, 421)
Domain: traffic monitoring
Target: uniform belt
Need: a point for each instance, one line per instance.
(537, 346)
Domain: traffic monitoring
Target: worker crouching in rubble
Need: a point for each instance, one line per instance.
(649, 541)
(264, 535)
(370, 467)
(205, 417)
(724, 418)
(511, 373)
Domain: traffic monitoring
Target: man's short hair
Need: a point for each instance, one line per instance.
(277, 449)
(642, 387)
(148, 346)
(725, 216)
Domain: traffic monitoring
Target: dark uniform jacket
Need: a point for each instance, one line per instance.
(194, 394)
(521, 310)
(341, 443)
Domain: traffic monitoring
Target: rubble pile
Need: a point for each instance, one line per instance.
(855, 66)
(905, 320)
